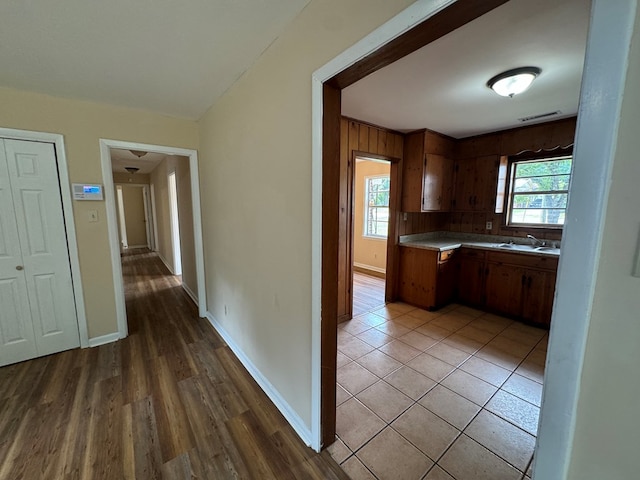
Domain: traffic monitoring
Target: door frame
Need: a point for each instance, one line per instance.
(107, 175)
(67, 210)
(148, 214)
(610, 31)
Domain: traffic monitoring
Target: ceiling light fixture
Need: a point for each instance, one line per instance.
(131, 170)
(513, 82)
(138, 153)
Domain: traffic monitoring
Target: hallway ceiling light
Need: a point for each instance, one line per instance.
(513, 82)
(131, 170)
(138, 153)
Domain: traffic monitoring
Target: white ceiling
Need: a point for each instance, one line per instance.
(124, 158)
(443, 85)
(174, 57)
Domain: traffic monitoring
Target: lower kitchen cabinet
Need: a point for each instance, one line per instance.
(470, 276)
(427, 277)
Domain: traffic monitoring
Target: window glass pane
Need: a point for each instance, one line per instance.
(555, 167)
(376, 206)
(537, 184)
(548, 200)
(538, 216)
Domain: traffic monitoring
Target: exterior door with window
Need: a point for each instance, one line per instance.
(37, 313)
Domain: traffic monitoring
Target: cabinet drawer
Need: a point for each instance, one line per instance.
(446, 255)
(473, 253)
(521, 260)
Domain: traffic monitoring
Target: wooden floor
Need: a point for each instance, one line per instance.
(170, 401)
(368, 293)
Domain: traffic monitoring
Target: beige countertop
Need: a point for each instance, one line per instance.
(442, 242)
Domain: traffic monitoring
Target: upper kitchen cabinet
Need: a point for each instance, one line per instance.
(475, 181)
(427, 172)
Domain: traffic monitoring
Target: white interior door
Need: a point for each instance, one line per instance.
(42, 263)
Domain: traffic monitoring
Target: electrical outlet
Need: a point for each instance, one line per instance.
(404, 216)
(489, 225)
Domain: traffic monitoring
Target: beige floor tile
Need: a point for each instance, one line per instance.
(431, 367)
(490, 324)
(523, 334)
(463, 343)
(342, 335)
(468, 460)
(354, 347)
(454, 408)
(448, 353)
(390, 457)
(400, 351)
(410, 382)
(424, 314)
(409, 321)
(384, 400)
(401, 307)
(339, 451)
(356, 470)
(433, 331)
(354, 326)
(425, 430)
(437, 473)
(341, 395)
(354, 378)
(486, 371)
(393, 329)
(342, 360)
(374, 337)
(511, 347)
(379, 363)
(498, 357)
(524, 388)
(502, 438)
(470, 387)
(543, 344)
(356, 424)
(387, 312)
(418, 340)
(533, 366)
(517, 411)
(497, 320)
(371, 319)
(469, 311)
(452, 321)
(477, 334)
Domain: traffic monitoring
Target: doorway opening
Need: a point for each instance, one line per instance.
(135, 218)
(170, 222)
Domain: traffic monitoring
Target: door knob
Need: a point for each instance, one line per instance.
(19, 267)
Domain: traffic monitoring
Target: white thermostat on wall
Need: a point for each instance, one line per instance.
(83, 191)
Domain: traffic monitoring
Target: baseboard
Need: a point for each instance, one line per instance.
(166, 264)
(281, 404)
(190, 293)
(104, 339)
(370, 270)
(130, 247)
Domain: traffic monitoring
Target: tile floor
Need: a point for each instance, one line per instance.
(453, 394)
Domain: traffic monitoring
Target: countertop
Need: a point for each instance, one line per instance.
(441, 241)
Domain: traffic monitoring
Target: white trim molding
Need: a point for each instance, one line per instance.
(107, 177)
(189, 292)
(67, 207)
(104, 339)
(278, 400)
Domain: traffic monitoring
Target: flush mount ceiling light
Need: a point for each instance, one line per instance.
(513, 82)
(131, 170)
(138, 153)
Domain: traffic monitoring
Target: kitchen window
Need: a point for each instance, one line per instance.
(538, 192)
(376, 206)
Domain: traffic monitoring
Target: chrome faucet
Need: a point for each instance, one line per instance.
(540, 243)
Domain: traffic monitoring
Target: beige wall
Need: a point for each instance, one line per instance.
(607, 435)
(139, 178)
(83, 124)
(255, 161)
(134, 218)
(371, 252)
(185, 216)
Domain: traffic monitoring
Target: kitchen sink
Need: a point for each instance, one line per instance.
(525, 248)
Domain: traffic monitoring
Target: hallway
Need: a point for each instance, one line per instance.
(169, 401)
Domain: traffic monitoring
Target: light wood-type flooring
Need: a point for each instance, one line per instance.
(170, 401)
(368, 293)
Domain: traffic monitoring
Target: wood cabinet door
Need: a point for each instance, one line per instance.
(417, 276)
(538, 296)
(470, 282)
(445, 284)
(437, 183)
(412, 172)
(464, 185)
(485, 183)
(504, 288)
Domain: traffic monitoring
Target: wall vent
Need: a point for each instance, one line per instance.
(538, 117)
